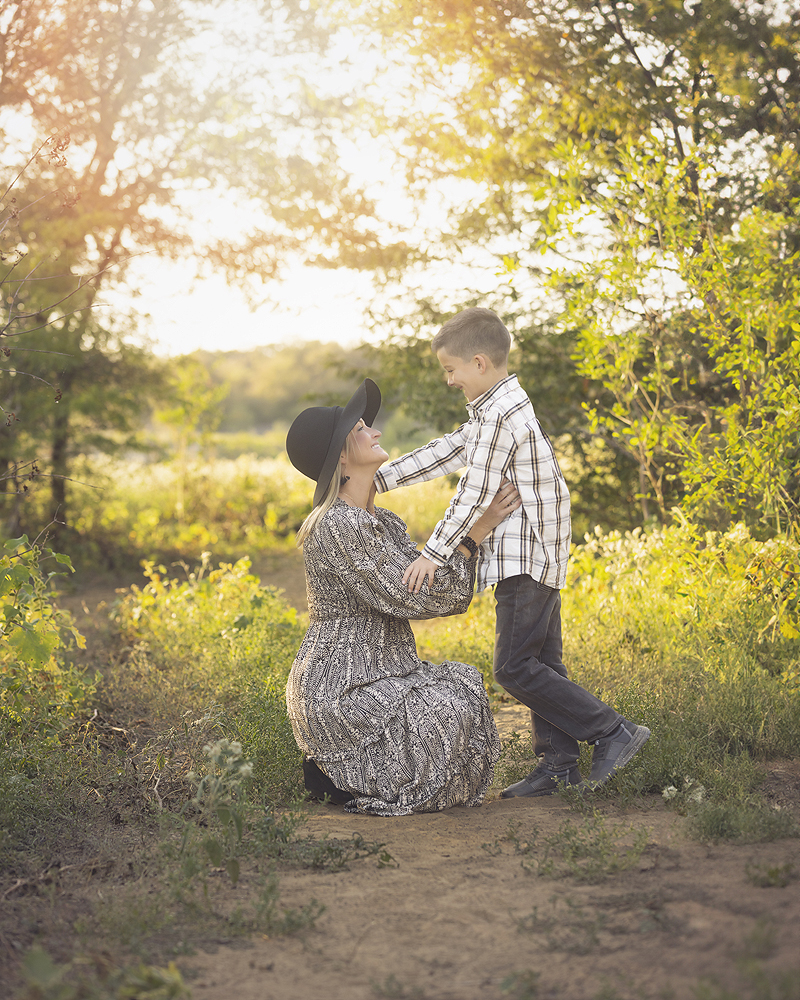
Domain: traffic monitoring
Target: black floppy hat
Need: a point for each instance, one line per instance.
(317, 435)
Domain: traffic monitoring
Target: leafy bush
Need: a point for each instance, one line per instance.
(218, 640)
(38, 689)
(161, 510)
(693, 633)
(42, 694)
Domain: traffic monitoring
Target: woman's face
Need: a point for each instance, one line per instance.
(365, 451)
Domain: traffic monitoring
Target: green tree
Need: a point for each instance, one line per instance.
(159, 101)
(270, 385)
(639, 162)
(192, 413)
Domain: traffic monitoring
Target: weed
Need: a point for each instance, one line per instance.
(521, 985)
(591, 851)
(83, 980)
(750, 822)
(393, 988)
(220, 805)
(759, 943)
(272, 831)
(588, 851)
(264, 914)
(770, 876)
(758, 984)
(568, 927)
(335, 854)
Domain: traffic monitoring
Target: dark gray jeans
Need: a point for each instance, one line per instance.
(527, 663)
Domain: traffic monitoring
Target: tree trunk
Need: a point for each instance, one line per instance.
(59, 467)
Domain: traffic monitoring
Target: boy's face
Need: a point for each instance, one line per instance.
(468, 375)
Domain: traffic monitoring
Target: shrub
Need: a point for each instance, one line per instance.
(219, 639)
(692, 633)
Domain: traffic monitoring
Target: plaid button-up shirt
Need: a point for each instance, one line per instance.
(502, 438)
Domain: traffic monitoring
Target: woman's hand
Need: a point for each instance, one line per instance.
(504, 502)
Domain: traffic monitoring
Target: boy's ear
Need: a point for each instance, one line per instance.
(482, 362)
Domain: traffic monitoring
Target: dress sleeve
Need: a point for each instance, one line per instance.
(369, 553)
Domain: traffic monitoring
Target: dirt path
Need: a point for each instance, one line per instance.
(459, 915)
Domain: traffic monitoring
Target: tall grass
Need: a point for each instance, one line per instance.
(122, 511)
(216, 645)
(693, 634)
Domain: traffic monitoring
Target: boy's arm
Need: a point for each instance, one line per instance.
(481, 480)
(444, 455)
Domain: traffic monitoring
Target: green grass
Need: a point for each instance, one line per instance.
(693, 636)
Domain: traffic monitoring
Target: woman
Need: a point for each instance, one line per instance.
(390, 734)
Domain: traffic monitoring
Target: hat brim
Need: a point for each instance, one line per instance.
(364, 403)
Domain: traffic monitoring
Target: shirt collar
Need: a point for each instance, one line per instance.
(499, 389)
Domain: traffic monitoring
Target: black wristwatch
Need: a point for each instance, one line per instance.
(468, 543)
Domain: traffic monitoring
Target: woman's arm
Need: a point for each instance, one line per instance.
(369, 556)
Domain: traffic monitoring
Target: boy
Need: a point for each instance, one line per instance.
(525, 556)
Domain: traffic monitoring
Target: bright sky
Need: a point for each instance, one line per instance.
(179, 314)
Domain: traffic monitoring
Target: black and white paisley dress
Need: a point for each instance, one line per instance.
(403, 735)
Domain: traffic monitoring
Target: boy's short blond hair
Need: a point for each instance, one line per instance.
(474, 331)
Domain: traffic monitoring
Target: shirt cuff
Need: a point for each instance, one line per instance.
(435, 556)
(385, 480)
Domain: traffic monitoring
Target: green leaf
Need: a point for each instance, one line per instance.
(224, 815)
(33, 646)
(15, 543)
(232, 868)
(40, 970)
(213, 850)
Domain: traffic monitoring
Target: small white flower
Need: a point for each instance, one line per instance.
(669, 793)
(696, 795)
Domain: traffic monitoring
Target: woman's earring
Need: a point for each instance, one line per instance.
(345, 479)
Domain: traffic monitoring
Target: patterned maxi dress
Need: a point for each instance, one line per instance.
(403, 735)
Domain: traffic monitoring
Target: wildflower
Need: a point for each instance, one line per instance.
(669, 793)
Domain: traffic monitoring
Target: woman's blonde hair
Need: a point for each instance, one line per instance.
(326, 503)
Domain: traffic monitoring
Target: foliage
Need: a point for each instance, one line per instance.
(635, 168)
(747, 822)
(39, 690)
(273, 383)
(49, 980)
(169, 99)
(44, 696)
(693, 337)
(230, 506)
(219, 802)
(218, 641)
(588, 850)
(692, 633)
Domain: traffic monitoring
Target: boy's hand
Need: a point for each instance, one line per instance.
(417, 573)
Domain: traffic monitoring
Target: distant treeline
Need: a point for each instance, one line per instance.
(272, 384)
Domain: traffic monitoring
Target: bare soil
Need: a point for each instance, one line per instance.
(455, 920)
(460, 913)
